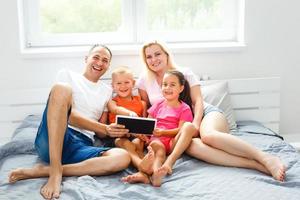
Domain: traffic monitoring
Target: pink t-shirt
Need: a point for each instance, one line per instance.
(169, 117)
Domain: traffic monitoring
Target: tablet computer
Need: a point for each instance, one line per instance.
(138, 125)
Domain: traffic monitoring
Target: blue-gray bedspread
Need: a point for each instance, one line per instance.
(191, 178)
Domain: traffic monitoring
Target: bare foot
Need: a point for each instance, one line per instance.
(167, 167)
(25, 173)
(138, 177)
(262, 168)
(274, 165)
(52, 188)
(146, 165)
(158, 175)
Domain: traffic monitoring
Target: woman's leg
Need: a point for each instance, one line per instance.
(201, 151)
(213, 132)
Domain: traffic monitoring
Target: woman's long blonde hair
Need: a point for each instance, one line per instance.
(171, 64)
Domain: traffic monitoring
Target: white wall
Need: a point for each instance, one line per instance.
(271, 31)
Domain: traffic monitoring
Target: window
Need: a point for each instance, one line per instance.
(49, 23)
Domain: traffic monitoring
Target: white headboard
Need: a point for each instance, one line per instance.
(257, 99)
(252, 99)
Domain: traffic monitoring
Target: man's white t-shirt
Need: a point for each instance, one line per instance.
(89, 98)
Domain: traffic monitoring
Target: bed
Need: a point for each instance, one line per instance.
(252, 108)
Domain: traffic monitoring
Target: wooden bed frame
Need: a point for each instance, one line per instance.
(252, 99)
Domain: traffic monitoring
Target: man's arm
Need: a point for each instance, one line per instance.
(101, 129)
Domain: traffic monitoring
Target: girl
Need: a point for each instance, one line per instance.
(172, 113)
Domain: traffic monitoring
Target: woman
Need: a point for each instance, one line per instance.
(216, 146)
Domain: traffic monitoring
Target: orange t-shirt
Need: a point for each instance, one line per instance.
(135, 105)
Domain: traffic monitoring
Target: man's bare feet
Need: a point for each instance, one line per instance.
(25, 173)
(158, 175)
(138, 177)
(274, 166)
(52, 188)
(146, 165)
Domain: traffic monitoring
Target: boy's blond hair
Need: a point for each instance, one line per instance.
(122, 70)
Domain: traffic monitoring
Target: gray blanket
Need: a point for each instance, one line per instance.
(191, 178)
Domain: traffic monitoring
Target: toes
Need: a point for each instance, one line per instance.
(45, 193)
(56, 195)
(125, 179)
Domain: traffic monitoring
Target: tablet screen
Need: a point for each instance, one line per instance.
(140, 125)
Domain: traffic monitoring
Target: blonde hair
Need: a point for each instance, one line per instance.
(122, 70)
(164, 48)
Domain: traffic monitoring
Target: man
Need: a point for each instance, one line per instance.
(65, 136)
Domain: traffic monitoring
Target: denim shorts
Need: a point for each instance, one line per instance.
(76, 146)
(210, 108)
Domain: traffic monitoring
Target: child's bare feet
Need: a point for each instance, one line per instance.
(138, 177)
(52, 188)
(158, 175)
(146, 165)
(274, 166)
(24, 173)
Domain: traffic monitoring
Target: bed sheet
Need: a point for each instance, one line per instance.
(191, 178)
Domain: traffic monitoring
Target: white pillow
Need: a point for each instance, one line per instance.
(216, 93)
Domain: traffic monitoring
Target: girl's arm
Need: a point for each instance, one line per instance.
(197, 100)
(161, 132)
(119, 110)
(170, 132)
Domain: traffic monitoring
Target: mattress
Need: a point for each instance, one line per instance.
(191, 178)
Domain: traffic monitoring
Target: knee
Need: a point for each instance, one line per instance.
(61, 92)
(158, 148)
(119, 142)
(121, 160)
(197, 149)
(125, 157)
(208, 136)
(189, 129)
(195, 145)
(155, 144)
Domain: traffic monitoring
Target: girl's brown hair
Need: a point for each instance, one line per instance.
(185, 95)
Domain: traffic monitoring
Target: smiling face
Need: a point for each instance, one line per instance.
(156, 59)
(97, 63)
(123, 84)
(171, 87)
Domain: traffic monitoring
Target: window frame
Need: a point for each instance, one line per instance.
(32, 43)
